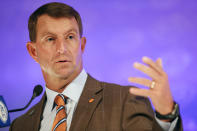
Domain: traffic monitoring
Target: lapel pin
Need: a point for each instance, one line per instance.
(91, 100)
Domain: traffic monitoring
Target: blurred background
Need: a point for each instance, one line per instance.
(119, 32)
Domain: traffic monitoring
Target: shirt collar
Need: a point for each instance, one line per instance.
(72, 91)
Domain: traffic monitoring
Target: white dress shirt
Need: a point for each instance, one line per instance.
(73, 92)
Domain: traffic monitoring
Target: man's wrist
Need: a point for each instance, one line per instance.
(170, 116)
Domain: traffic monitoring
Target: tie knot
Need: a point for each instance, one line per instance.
(60, 100)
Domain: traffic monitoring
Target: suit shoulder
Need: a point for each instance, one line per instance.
(21, 123)
(113, 87)
(27, 113)
(18, 123)
(123, 91)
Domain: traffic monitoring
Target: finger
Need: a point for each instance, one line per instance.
(147, 70)
(140, 92)
(141, 81)
(152, 64)
(159, 62)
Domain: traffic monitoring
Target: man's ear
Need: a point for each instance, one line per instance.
(83, 43)
(31, 47)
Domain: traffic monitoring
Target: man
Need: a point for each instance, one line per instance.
(57, 44)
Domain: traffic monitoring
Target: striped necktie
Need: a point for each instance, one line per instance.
(59, 123)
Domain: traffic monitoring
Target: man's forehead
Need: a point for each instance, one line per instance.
(47, 24)
(46, 18)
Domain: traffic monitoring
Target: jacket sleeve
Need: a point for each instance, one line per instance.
(138, 114)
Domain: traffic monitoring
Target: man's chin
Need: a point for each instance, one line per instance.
(64, 74)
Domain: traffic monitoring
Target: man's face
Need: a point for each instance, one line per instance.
(58, 47)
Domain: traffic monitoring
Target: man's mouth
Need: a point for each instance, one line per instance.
(61, 61)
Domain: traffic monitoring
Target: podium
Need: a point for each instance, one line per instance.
(4, 115)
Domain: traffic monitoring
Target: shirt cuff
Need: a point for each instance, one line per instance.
(167, 126)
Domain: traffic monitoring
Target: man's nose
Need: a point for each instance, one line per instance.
(61, 46)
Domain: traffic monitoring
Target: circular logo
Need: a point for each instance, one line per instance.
(3, 112)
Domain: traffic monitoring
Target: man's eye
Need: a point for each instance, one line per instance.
(70, 37)
(50, 39)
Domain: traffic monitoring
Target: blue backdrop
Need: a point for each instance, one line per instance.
(119, 32)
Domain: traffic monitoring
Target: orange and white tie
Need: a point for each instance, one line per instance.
(59, 123)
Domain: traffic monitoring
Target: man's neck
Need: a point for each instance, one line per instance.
(58, 84)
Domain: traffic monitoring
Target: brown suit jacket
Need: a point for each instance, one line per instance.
(113, 109)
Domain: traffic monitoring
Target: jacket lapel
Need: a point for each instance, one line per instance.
(90, 98)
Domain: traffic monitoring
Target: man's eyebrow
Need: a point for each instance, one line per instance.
(71, 30)
(47, 33)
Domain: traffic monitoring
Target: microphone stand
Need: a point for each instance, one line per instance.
(20, 109)
(37, 91)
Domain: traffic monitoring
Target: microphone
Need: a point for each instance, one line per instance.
(37, 91)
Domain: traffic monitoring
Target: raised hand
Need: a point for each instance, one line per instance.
(159, 89)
